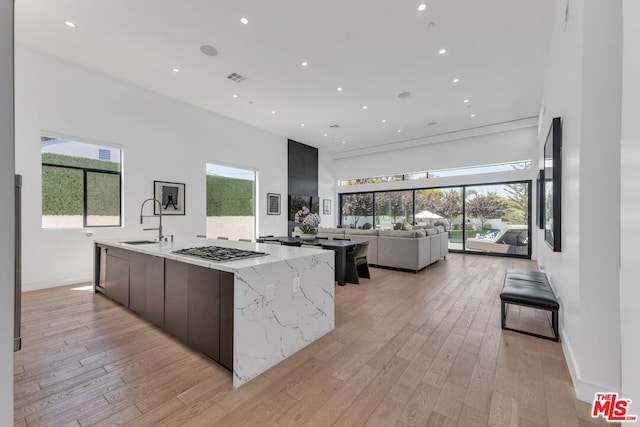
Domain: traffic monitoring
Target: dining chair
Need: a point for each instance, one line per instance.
(357, 265)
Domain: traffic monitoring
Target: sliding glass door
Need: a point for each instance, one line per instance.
(490, 219)
(497, 218)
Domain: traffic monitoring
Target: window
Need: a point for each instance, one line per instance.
(357, 210)
(472, 170)
(230, 202)
(394, 210)
(81, 184)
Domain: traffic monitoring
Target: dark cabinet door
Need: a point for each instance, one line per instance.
(204, 311)
(226, 319)
(117, 279)
(146, 287)
(176, 298)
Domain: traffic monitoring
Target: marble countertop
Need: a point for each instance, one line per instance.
(276, 253)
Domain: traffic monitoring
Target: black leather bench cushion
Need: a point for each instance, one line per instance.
(528, 288)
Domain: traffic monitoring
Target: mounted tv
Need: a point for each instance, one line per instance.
(553, 185)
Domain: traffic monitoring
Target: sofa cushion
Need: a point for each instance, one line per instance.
(370, 232)
(432, 231)
(439, 228)
(420, 232)
(331, 230)
(396, 233)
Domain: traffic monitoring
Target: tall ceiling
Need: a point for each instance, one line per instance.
(374, 51)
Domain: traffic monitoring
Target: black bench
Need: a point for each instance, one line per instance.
(529, 289)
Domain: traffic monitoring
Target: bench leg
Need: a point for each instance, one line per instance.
(554, 324)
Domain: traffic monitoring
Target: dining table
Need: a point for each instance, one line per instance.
(339, 247)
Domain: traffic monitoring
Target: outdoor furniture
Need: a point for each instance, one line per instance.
(357, 265)
(530, 289)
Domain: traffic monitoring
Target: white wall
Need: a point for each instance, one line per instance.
(327, 187)
(583, 86)
(630, 205)
(6, 212)
(442, 152)
(163, 139)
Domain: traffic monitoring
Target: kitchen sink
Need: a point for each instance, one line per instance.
(139, 242)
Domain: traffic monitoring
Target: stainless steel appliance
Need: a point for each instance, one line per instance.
(17, 336)
(218, 253)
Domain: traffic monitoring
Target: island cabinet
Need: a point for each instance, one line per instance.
(248, 314)
(199, 309)
(146, 286)
(116, 274)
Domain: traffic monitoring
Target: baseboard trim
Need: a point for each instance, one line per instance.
(584, 390)
(46, 284)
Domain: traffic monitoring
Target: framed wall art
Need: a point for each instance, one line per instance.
(171, 195)
(273, 204)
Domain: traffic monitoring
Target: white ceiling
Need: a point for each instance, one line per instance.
(373, 50)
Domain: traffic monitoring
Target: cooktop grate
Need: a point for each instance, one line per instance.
(218, 253)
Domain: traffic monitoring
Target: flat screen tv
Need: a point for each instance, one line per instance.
(553, 185)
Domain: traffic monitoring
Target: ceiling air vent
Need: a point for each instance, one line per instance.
(334, 126)
(235, 77)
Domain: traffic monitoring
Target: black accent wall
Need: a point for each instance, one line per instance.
(303, 173)
(303, 169)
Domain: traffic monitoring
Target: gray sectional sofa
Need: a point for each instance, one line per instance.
(409, 250)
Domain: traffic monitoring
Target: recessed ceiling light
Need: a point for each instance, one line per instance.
(302, 124)
(399, 130)
(422, 7)
(344, 142)
(465, 101)
(273, 111)
(431, 25)
(244, 20)
(176, 70)
(235, 96)
(70, 24)
(384, 120)
(339, 89)
(442, 51)
(456, 80)
(208, 50)
(473, 115)
(325, 134)
(304, 63)
(364, 107)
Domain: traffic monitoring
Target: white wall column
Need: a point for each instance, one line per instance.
(6, 212)
(630, 205)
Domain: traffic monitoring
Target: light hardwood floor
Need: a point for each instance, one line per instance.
(408, 349)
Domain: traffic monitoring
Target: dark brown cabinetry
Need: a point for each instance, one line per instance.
(192, 303)
(146, 286)
(176, 292)
(199, 309)
(204, 311)
(117, 276)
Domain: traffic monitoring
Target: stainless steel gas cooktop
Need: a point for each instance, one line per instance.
(218, 253)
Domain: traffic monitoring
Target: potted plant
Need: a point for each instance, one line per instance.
(309, 221)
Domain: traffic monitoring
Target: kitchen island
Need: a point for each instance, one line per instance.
(247, 314)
